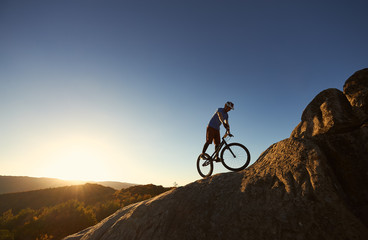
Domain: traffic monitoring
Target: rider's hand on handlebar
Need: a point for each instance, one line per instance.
(229, 134)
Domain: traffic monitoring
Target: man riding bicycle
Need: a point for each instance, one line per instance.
(213, 128)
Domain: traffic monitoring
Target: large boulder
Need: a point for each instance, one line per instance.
(356, 90)
(333, 111)
(329, 112)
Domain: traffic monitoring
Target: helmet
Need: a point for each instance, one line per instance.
(230, 105)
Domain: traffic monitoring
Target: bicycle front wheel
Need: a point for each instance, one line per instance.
(204, 165)
(235, 157)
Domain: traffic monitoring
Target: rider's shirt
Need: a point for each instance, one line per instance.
(215, 120)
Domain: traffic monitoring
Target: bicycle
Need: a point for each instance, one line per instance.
(234, 157)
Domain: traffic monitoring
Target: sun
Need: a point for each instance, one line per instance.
(78, 164)
(77, 158)
(70, 154)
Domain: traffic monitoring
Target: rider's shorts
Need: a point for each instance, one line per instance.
(213, 135)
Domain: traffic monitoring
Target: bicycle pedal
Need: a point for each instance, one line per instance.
(206, 163)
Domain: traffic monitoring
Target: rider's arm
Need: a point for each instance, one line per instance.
(221, 118)
(224, 122)
(227, 125)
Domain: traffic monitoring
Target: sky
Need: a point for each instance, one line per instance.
(123, 90)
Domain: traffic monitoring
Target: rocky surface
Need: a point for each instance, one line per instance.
(356, 90)
(329, 112)
(312, 185)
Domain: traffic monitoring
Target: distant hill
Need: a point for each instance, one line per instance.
(115, 185)
(13, 184)
(87, 193)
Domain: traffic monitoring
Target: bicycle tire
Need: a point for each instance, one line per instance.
(204, 165)
(241, 159)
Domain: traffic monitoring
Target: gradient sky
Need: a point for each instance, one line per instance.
(123, 90)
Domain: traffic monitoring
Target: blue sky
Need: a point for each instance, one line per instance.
(123, 90)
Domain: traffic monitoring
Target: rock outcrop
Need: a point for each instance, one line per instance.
(329, 112)
(356, 90)
(312, 185)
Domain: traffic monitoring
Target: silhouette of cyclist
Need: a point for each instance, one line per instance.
(213, 128)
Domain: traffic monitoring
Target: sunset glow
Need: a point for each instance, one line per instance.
(77, 163)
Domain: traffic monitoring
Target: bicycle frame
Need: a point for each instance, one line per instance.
(217, 151)
(205, 162)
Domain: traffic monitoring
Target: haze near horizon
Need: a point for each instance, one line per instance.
(123, 90)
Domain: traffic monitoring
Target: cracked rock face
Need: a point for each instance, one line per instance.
(312, 185)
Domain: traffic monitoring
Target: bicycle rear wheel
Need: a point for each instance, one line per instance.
(204, 165)
(235, 157)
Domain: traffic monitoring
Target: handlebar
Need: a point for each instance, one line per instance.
(228, 134)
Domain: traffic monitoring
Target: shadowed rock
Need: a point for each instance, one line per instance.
(312, 185)
(356, 90)
(329, 112)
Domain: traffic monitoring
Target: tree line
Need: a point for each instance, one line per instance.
(65, 210)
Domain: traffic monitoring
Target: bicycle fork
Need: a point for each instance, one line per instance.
(232, 152)
(226, 145)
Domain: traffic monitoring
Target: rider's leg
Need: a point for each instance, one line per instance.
(217, 143)
(209, 138)
(216, 146)
(205, 146)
